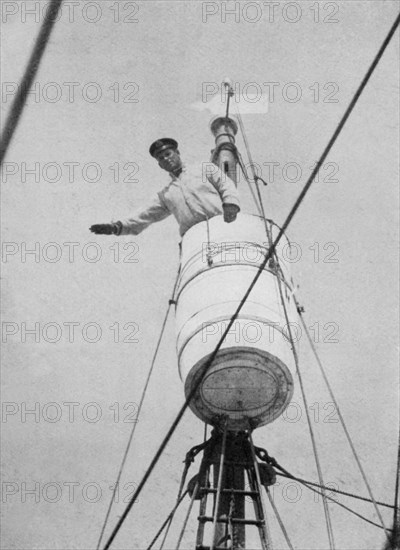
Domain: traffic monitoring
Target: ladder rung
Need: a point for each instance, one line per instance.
(240, 521)
(235, 463)
(229, 491)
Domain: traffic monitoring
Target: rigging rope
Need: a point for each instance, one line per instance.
(339, 491)
(259, 204)
(188, 460)
(320, 485)
(193, 498)
(396, 514)
(288, 474)
(323, 488)
(267, 532)
(171, 301)
(310, 427)
(278, 517)
(255, 177)
(269, 254)
(169, 518)
(32, 67)
(394, 541)
(349, 439)
(243, 168)
(295, 356)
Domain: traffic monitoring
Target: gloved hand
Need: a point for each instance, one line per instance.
(105, 229)
(230, 212)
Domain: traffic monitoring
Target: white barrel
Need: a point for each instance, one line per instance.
(250, 381)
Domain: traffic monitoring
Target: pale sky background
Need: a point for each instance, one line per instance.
(169, 53)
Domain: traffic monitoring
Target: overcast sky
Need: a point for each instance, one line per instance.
(116, 76)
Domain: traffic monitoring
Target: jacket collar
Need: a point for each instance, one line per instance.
(172, 175)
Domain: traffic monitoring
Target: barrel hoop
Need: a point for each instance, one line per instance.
(244, 264)
(217, 320)
(235, 245)
(242, 315)
(220, 246)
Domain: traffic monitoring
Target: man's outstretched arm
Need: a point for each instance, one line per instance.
(142, 218)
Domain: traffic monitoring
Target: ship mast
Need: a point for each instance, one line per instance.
(230, 473)
(224, 155)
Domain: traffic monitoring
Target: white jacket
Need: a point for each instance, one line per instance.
(193, 196)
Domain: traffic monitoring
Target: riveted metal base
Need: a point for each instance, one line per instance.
(250, 387)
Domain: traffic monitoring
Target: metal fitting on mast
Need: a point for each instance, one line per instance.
(224, 130)
(224, 155)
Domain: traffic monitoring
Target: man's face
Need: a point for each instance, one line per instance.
(169, 160)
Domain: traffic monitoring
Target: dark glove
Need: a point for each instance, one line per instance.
(106, 228)
(230, 212)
